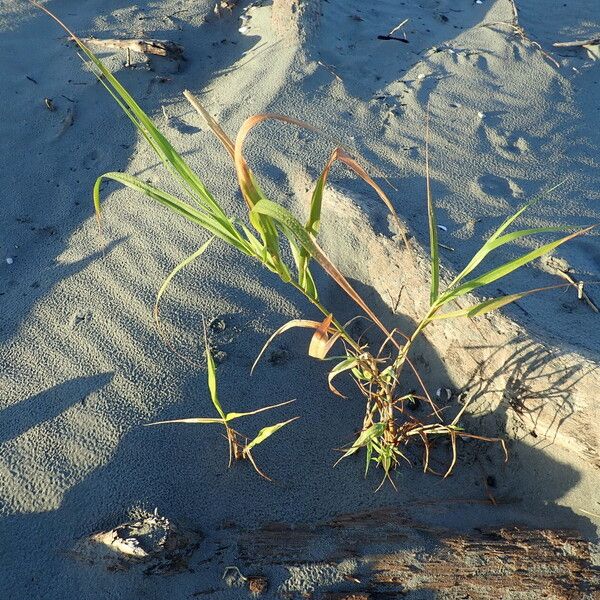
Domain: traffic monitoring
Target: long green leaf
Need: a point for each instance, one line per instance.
(235, 415)
(506, 268)
(510, 220)
(228, 417)
(220, 227)
(191, 258)
(491, 245)
(193, 420)
(212, 378)
(265, 433)
(165, 151)
(493, 304)
(313, 223)
(494, 240)
(432, 220)
(364, 438)
(346, 365)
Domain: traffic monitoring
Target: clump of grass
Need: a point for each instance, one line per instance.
(387, 427)
(240, 446)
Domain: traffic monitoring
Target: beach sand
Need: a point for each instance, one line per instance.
(83, 367)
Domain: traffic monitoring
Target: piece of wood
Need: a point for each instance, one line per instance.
(577, 43)
(144, 46)
(495, 562)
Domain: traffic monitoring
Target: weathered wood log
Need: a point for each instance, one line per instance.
(578, 43)
(502, 562)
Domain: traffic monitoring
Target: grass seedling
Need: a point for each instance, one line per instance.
(387, 427)
(240, 446)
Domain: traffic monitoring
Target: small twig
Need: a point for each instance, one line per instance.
(579, 286)
(330, 69)
(587, 512)
(165, 115)
(393, 31)
(31, 79)
(577, 43)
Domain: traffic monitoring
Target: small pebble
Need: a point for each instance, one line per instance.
(481, 115)
(257, 585)
(9, 261)
(421, 76)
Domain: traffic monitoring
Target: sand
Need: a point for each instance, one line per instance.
(82, 366)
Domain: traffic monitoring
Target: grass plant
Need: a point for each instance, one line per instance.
(240, 446)
(388, 428)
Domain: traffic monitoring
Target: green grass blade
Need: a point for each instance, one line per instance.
(220, 227)
(234, 415)
(496, 242)
(267, 432)
(212, 378)
(193, 420)
(345, 365)
(493, 304)
(184, 263)
(507, 268)
(510, 220)
(304, 276)
(312, 227)
(294, 230)
(493, 241)
(165, 151)
(365, 438)
(432, 220)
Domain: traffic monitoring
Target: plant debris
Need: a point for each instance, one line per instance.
(143, 46)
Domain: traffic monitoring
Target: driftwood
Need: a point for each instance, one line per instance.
(502, 562)
(592, 46)
(578, 43)
(144, 46)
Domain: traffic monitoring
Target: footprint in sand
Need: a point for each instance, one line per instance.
(498, 187)
(507, 144)
(517, 144)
